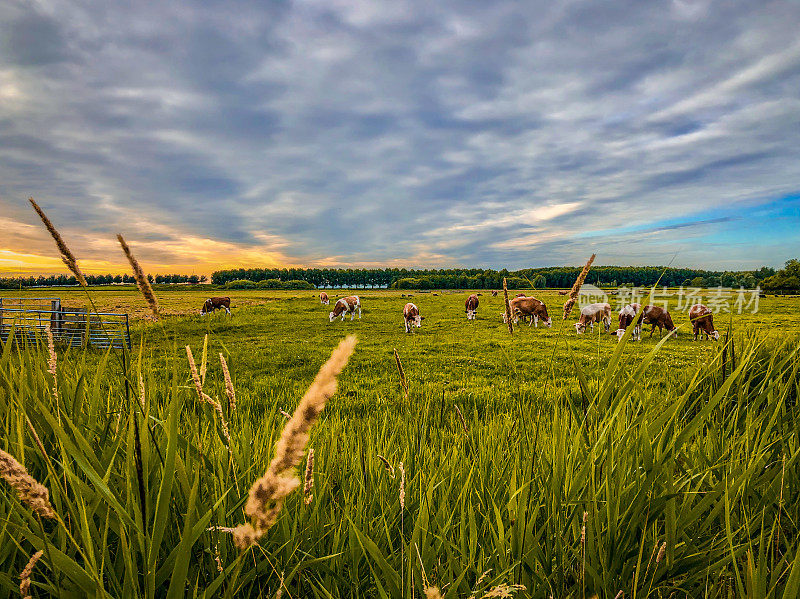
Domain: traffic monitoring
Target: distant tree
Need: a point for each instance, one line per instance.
(697, 282)
(786, 278)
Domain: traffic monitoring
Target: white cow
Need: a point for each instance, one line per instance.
(346, 305)
(411, 316)
(600, 312)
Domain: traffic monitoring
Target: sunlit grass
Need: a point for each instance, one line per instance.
(659, 446)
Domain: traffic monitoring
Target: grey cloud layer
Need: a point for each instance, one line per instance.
(433, 133)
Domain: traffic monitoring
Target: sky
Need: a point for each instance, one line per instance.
(403, 133)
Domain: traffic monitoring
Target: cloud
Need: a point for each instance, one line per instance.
(414, 133)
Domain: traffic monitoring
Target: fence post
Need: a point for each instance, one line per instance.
(55, 316)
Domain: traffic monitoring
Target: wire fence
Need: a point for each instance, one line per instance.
(26, 319)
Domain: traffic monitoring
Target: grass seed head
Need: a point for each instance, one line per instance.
(141, 279)
(67, 257)
(229, 390)
(25, 575)
(573, 294)
(141, 392)
(386, 464)
(661, 552)
(402, 491)
(28, 489)
(198, 385)
(309, 479)
(503, 590)
(268, 493)
(52, 360)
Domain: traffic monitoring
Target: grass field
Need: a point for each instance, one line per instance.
(657, 446)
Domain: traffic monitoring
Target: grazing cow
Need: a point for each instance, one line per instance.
(346, 305)
(529, 306)
(411, 316)
(494, 292)
(703, 321)
(659, 317)
(471, 306)
(323, 298)
(626, 316)
(216, 303)
(600, 312)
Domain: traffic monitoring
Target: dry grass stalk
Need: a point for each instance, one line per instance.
(573, 294)
(268, 493)
(479, 582)
(204, 360)
(52, 360)
(141, 280)
(620, 595)
(25, 575)
(661, 552)
(141, 392)
(206, 398)
(309, 480)
(67, 257)
(29, 490)
(507, 307)
(583, 549)
(229, 390)
(583, 529)
(463, 422)
(218, 559)
(386, 464)
(402, 491)
(285, 414)
(402, 373)
(780, 507)
(279, 593)
(503, 590)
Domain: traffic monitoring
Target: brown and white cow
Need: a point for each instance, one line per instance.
(216, 303)
(471, 306)
(411, 316)
(626, 316)
(599, 312)
(346, 305)
(531, 307)
(659, 317)
(703, 321)
(323, 298)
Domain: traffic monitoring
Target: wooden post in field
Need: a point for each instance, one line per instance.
(508, 308)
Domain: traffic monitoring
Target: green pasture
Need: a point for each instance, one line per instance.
(693, 446)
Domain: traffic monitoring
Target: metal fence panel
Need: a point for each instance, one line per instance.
(28, 318)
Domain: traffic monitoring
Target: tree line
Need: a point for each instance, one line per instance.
(64, 280)
(449, 278)
(477, 278)
(787, 278)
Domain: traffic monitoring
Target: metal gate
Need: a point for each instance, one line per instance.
(27, 319)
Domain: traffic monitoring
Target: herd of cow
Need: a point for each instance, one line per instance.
(527, 307)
